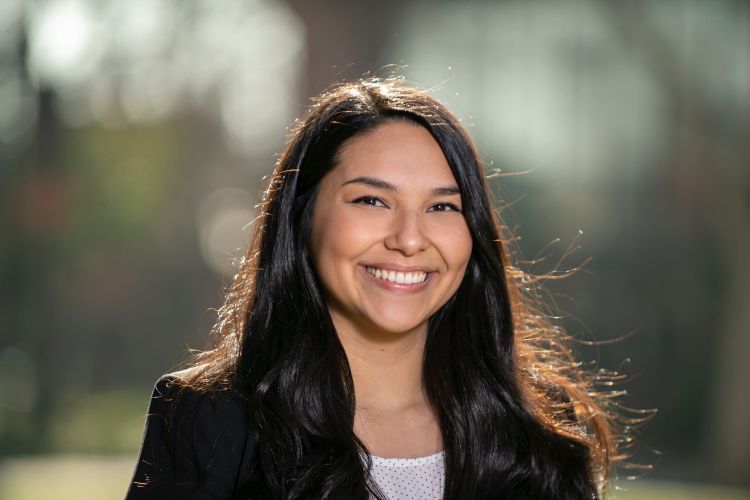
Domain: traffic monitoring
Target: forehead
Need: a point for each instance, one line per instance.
(396, 151)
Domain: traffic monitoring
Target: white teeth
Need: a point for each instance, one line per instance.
(398, 277)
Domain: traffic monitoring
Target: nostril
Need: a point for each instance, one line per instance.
(408, 238)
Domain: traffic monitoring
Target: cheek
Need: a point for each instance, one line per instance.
(457, 245)
(339, 237)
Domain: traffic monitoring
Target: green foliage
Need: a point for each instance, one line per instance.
(119, 197)
(103, 422)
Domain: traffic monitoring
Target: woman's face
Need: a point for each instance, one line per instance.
(389, 242)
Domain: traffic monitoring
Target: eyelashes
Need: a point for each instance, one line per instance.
(370, 200)
(444, 207)
(374, 201)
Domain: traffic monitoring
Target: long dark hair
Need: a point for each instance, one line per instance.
(517, 415)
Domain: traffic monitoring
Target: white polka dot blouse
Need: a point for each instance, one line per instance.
(410, 478)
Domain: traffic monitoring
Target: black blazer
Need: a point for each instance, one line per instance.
(207, 453)
(198, 446)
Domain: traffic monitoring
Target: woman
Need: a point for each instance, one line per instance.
(376, 339)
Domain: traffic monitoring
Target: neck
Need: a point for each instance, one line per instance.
(392, 415)
(386, 367)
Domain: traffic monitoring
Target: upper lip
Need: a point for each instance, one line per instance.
(399, 267)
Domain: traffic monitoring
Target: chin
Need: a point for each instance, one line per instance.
(399, 328)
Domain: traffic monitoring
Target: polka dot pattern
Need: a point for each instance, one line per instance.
(410, 478)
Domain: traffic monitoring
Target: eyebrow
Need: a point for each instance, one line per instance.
(387, 186)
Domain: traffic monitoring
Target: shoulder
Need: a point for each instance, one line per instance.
(196, 440)
(185, 409)
(174, 393)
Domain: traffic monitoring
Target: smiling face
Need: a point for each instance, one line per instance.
(389, 242)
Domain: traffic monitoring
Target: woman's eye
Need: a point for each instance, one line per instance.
(444, 207)
(370, 200)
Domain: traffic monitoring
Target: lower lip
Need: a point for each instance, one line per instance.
(396, 287)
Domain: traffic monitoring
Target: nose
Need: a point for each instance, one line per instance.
(407, 234)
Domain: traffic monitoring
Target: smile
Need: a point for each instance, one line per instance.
(397, 276)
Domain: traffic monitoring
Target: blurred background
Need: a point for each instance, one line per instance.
(134, 136)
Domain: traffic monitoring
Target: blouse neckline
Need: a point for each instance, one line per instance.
(406, 462)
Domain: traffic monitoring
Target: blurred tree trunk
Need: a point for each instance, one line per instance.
(710, 173)
(730, 425)
(362, 30)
